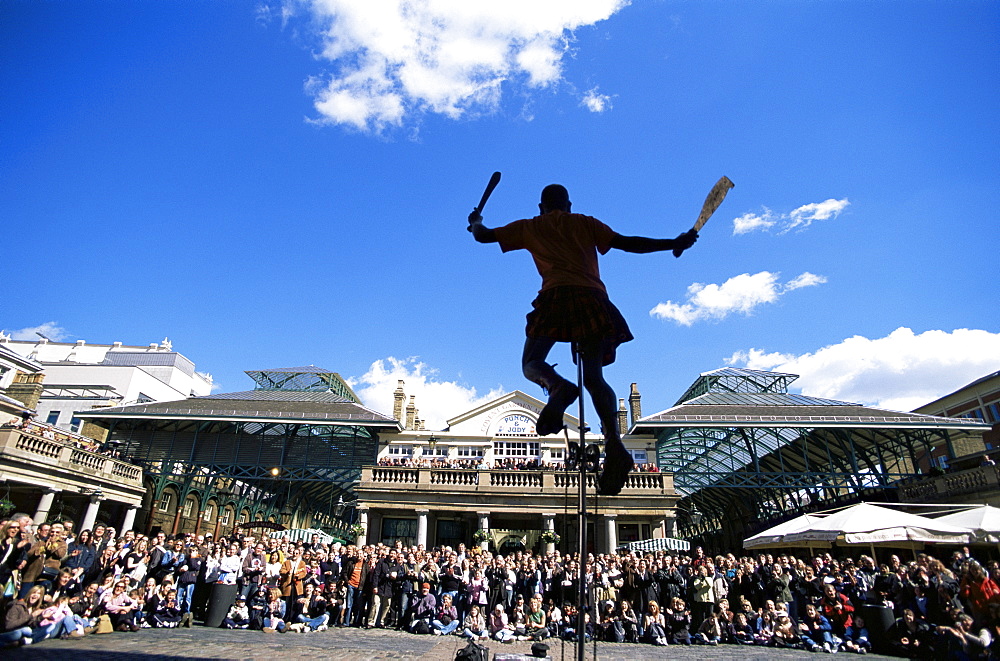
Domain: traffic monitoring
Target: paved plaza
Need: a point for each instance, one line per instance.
(352, 645)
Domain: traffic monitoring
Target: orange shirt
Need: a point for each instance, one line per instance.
(563, 245)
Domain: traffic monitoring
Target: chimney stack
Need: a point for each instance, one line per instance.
(634, 404)
(622, 417)
(398, 397)
(411, 413)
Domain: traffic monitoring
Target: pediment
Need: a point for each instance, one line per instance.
(489, 418)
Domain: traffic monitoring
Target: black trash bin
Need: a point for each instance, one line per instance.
(878, 619)
(219, 602)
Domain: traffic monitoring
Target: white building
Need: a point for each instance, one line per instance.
(80, 376)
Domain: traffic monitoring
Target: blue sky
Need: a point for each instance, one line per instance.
(275, 185)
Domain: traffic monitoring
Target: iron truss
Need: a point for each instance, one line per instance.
(262, 466)
(743, 451)
(751, 474)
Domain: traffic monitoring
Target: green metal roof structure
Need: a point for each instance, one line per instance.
(744, 451)
(299, 441)
(303, 379)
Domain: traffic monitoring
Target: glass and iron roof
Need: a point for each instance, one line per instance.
(303, 379)
(738, 428)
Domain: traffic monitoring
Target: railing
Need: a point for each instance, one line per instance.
(950, 485)
(79, 464)
(523, 481)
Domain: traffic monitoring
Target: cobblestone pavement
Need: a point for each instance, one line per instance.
(353, 645)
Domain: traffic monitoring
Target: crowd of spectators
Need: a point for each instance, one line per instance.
(506, 463)
(58, 582)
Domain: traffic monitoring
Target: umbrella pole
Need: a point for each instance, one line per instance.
(874, 559)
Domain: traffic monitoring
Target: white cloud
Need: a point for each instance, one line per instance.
(807, 279)
(49, 329)
(594, 101)
(396, 58)
(804, 216)
(743, 294)
(899, 372)
(799, 218)
(750, 222)
(436, 400)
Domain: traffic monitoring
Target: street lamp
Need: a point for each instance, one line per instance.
(342, 506)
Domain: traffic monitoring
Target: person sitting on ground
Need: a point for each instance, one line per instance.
(474, 626)
(814, 630)
(963, 640)
(678, 623)
(238, 616)
(274, 612)
(654, 625)
(168, 612)
(535, 627)
(311, 609)
(58, 621)
(422, 610)
(856, 638)
(120, 607)
(711, 628)
(572, 621)
(784, 634)
(258, 607)
(500, 628)
(606, 626)
(839, 610)
(627, 623)
(22, 617)
(740, 631)
(445, 617)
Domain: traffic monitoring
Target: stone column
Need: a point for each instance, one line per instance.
(44, 505)
(363, 520)
(129, 521)
(90, 516)
(484, 524)
(611, 520)
(549, 523)
(422, 527)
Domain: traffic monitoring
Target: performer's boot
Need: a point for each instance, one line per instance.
(617, 463)
(562, 393)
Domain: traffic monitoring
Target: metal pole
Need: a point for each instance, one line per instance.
(581, 616)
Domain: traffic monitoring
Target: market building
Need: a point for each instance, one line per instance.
(746, 454)
(489, 478)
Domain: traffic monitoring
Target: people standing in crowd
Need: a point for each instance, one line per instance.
(943, 610)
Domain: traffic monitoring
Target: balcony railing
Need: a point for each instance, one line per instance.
(951, 485)
(495, 480)
(28, 448)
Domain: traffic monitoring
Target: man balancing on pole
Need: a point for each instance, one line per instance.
(573, 306)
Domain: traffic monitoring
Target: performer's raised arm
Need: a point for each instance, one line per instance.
(480, 232)
(642, 244)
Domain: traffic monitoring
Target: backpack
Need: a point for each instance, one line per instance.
(473, 652)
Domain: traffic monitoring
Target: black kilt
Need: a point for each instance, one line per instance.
(579, 314)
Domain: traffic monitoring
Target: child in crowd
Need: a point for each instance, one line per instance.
(678, 623)
(238, 616)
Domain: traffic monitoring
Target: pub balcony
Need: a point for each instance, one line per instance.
(526, 491)
(30, 461)
(972, 485)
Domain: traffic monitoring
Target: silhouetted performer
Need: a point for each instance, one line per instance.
(573, 306)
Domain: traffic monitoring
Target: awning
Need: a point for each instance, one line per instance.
(304, 535)
(658, 544)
